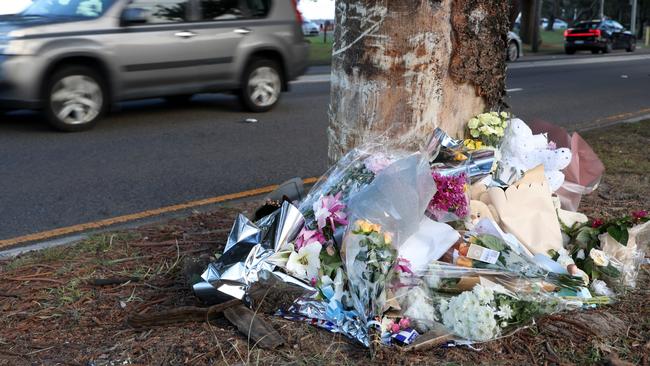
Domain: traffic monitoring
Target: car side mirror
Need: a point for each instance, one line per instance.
(132, 16)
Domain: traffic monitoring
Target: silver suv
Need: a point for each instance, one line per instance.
(73, 59)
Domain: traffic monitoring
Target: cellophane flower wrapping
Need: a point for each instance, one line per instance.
(382, 217)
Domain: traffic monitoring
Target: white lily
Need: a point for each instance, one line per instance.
(306, 262)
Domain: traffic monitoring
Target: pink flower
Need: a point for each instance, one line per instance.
(638, 215)
(330, 210)
(377, 162)
(552, 145)
(394, 328)
(403, 265)
(306, 237)
(405, 323)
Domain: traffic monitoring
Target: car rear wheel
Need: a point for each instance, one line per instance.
(513, 51)
(261, 85)
(631, 46)
(595, 51)
(569, 51)
(76, 99)
(608, 47)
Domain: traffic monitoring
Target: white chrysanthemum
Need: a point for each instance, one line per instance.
(467, 316)
(505, 311)
(306, 262)
(483, 294)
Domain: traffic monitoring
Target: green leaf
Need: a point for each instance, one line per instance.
(492, 242)
(586, 235)
(589, 266)
(618, 233)
(609, 271)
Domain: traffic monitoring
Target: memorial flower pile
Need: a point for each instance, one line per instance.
(475, 236)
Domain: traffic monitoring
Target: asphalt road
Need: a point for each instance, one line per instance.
(150, 154)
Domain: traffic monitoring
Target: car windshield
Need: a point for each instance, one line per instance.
(68, 8)
(587, 25)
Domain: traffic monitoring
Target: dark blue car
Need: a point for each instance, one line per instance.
(598, 35)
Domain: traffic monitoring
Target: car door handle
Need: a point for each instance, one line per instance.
(185, 34)
(242, 31)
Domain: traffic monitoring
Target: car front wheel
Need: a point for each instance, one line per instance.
(261, 85)
(631, 46)
(76, 99)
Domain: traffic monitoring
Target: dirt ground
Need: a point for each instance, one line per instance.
(52, 311)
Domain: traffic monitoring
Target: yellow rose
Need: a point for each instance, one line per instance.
(376, 228)
(388, 238)
(599, 257)
(364, 226)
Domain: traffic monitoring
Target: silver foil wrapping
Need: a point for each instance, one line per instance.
(319, 313)
(246, 254)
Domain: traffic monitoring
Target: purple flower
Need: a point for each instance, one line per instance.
(306, 237)
(330, 210)
(450, 196)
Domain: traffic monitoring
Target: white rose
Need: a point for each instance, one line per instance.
(599, 257)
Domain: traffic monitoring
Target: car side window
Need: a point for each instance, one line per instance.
(259, 8)
(221, 10)
(163, 11)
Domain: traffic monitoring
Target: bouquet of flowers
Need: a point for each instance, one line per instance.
(451, 202)
(605, 250)
(369, 262)
(488, 128)
(483, 313)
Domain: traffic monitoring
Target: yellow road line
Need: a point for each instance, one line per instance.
(622, 116)
(137, 216)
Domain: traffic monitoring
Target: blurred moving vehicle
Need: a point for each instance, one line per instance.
(310, 28)
(514, 49)
(73, 59)
(598, 35)
(558, 24)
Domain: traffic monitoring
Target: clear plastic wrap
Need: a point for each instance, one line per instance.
(474, 304)
(353, 172)
(383, 216)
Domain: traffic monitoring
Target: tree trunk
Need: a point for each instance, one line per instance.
(554, 14)
(401, 68)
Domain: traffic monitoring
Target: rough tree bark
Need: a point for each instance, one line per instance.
(401, 68)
